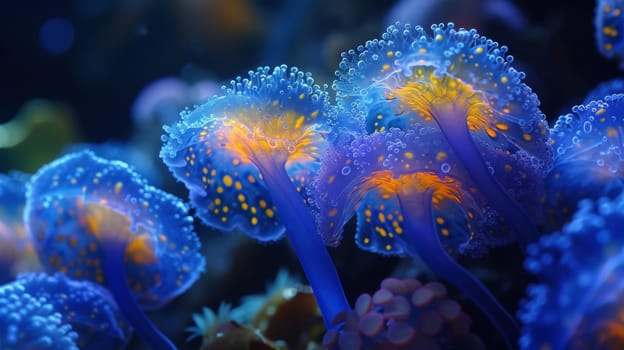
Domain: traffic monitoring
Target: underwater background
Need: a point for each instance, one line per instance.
(106, 75)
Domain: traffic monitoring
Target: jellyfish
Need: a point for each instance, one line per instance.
(464, 85)
(588, 160)
(40, 311)
(609, 87)
(608, 26)
(405, 314)
(412, 197)
(247, 158)
(96, 219)
(577, 302)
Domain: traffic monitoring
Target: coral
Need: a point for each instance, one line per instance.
(404, 314)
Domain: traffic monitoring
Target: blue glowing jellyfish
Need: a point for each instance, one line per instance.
(96, 219)
(412, 197)
(577, 303)
(39, 311)
(247, 158)
(588, 161)
(608, 26)
(609, 87)
(464, 85)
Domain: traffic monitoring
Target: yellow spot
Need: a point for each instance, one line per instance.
(502, 126)
(262, 203)
(381, 217)
(527, 137)
(269, 212)
(227, 180)
(118, 187)
(611, 132)
(440, 220)
(479, 50)
(507, 168)
(366, 240)
(251, 179)
(140, 251)
(302, 96)
(491, 133)
(238, 185)
(385, 67)
(219, 189)
(441, 156)
(388, 246)
(439, 37)
(409, 155)
(241, 197)
(390, 54)
(254, 221)
(225, 209)
(333, 212)
(235, 161)
(331, 179)
(217, 201)
(299, 122)
(444, 231)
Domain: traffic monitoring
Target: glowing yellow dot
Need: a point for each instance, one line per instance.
(262, 203)
(502, 126)
(269, 212)
(219, 189)
(390, 54)
(388, 247)
(385, 67)
(409, 155)
(441, 156)
(254, 221)
(440, 220)
(527, 137)
(118, 187)
(299, 122)
(611, 131)
(238, 185)
(366, 240)
(445, 232)
(217, 201)
(479, 50)
(381, 217)
(241, 197)
(227, 180)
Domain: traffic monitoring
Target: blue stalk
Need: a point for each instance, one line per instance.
(423, 238)
(515, 216)
(312, 253)
(115, 275)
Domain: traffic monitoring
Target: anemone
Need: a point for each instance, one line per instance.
(247, 158)
(588, 161)
(97, 219)
(576, 303)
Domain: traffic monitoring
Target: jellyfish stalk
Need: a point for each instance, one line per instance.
(422, 235)
(116, 277)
